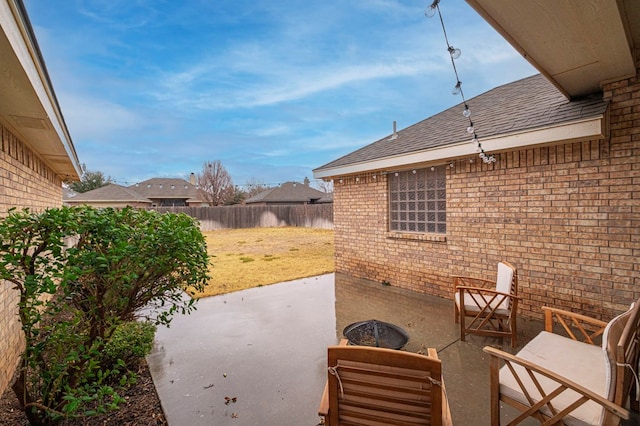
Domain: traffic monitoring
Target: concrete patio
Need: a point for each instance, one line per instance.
(266, 347)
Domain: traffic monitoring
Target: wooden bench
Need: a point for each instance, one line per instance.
(571, 380)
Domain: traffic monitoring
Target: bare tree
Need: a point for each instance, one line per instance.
(215, 183)
(254, 187)
(325, 186)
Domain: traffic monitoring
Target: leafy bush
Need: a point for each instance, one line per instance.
(129, 342)
(122, 264)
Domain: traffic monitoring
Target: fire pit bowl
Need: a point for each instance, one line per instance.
(376, 333)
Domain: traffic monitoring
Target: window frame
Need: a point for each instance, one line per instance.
(417, 200)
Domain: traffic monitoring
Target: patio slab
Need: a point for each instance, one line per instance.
(266, 347)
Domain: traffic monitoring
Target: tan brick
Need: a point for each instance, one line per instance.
(25, 181)
(565, 215)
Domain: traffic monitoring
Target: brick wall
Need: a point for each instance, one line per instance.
(25, 181)
(568, 217)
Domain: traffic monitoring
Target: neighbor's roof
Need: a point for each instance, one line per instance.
(111, 192)
(167, 188)
(504, 117)
(288, 192)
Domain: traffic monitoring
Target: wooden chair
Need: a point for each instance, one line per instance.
(378, 386)
(571, 380)
(491, 306)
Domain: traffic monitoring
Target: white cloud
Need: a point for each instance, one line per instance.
(276, 85)
(272, 89)
(94, 118)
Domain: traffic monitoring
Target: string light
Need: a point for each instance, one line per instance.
(457, 89)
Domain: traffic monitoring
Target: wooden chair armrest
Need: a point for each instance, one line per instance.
(562, 382)
(486, 290)
(472, 282)
(577, 320)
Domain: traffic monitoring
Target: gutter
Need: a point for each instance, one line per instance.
(575, 131)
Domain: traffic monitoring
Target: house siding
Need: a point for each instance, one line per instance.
(25, 181)
(568, 217)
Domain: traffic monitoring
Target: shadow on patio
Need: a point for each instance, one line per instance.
(267, 348)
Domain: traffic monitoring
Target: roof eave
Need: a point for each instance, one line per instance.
(31, 108)
(577, 47)
(586, 129)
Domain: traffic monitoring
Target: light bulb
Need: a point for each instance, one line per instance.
(431, 10)
(481, 155)
(455, 53)
(466, 112)
(470, 129)
(457, 88)
(474, 140)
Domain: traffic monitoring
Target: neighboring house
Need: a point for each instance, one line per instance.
(36, 151)
(170, 192)
(561, 202)
(110, 195)
(156, 192)
(290, 193)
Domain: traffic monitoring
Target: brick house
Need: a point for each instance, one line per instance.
(562, 200)
(36, 150)
(155, 192)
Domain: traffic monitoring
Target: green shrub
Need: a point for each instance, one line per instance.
(74, 301)
(130, 342)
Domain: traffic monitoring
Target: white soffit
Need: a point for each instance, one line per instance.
(576, 44)
(593, 128)
(28, 99)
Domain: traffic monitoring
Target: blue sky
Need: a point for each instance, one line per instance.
(272, 89)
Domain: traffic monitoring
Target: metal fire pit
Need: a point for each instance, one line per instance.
(376, 333)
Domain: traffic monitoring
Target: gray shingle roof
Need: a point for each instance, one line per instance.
(110, 192)
(288, 192)
(526, 104)
(166, 188)
(143, 192)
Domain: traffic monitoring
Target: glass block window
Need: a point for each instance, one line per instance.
(417, 200)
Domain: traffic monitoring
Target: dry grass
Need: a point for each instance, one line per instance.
(246, 258)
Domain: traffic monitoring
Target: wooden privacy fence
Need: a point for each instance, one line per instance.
(243, 216)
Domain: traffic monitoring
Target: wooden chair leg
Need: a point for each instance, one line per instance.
(462, 324)
(494, 389)
(513, 323)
